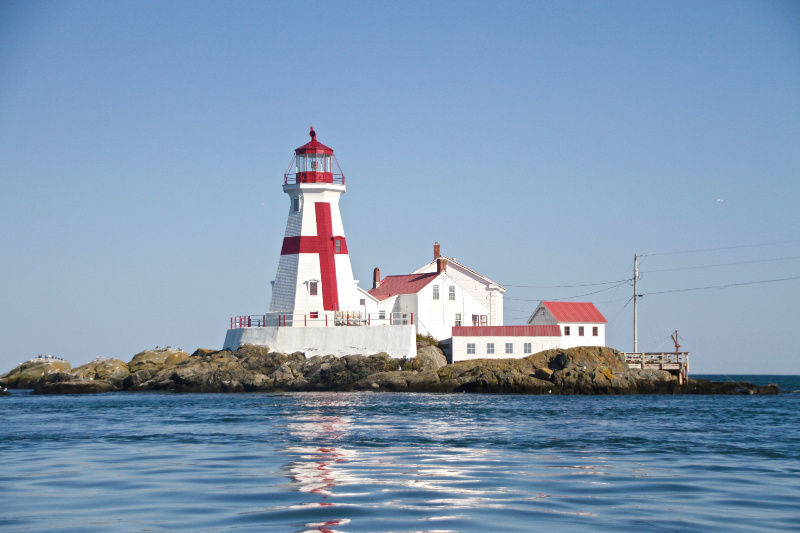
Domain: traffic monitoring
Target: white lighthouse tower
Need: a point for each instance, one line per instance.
(316, 306)
(314, 272)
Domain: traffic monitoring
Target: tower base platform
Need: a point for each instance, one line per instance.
(396, 340)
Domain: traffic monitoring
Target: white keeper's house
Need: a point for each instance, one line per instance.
(441, 295)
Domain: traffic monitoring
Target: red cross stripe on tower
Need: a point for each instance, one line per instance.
(327, 245)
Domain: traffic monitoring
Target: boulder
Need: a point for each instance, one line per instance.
(704, 386)
(112, 370)
(219, 372)
(28, 373)
(77, 387)
(428, 358)
(156, 359)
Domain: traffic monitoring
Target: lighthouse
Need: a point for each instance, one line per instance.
(317, 308)
(314, 273)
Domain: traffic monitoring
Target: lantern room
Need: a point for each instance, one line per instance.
(313, 163)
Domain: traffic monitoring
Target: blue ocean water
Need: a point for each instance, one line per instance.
(385, 462)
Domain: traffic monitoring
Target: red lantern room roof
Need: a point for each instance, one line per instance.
(313, 163)
(313, 147)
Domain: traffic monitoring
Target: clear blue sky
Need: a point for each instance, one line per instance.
(142, 146)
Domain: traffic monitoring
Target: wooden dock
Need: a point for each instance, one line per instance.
(676, 363)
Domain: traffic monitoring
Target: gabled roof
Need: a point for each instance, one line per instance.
(451, 261)
(406, 284)
(506, 331)
(575, 312)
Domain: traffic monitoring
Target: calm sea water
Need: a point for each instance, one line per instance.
(356, 462)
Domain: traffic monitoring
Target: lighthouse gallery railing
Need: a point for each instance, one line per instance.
(322, 319)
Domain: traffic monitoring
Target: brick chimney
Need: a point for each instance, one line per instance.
(376, 278)
(436, 249)
(441, 265)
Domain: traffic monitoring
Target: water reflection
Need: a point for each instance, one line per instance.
(314, 470)
(348, 460)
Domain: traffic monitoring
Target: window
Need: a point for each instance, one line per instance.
(452, 293)
(337, 245)
(312, 288)
(382, 315)
(435, 292)
(470, 347)
(594, 331)
(566, 330)
(489, 347)
(458, 319)
(314, 314)
(296, 204)
(363, 301)
(580, 331)
(475, 319)
(527, 348)
(483, 320)
(509, 347)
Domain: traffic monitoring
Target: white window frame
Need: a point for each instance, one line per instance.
(435, 292)
(452, 293)
(313, 288)
(490, 348)
(509, 347)
(470, 348)
(527, 348)
(458, 319)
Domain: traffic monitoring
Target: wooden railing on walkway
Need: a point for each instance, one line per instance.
(676, 363)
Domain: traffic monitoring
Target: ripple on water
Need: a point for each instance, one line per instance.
(388, 462)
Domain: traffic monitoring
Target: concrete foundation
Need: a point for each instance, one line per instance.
(397, 340)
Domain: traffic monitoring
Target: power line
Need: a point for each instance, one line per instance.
(723, 248)
(721, 264)
(565, 286)
(567, 298)
(723, 286)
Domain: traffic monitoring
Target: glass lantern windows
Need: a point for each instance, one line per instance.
(313, 163)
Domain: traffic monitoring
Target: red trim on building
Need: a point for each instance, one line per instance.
(506, 331)
(575, 312)
(323, 244)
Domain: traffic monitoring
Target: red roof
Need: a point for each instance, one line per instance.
(575, 312)
(313, 147)
(407, 284)
(506, 331)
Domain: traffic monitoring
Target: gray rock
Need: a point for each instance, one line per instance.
(77, 387)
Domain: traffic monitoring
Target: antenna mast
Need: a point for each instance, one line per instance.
(675, 340)
(635, 301)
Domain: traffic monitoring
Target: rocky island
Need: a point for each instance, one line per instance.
(586, 370)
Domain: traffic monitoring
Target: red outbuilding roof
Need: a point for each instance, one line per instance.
(506, 331)
(575, 312)
(407, 284)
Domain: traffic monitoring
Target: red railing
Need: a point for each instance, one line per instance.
(253, 321)
(322, 319)
(313, 177)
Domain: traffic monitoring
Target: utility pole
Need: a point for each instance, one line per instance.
(635, 301)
